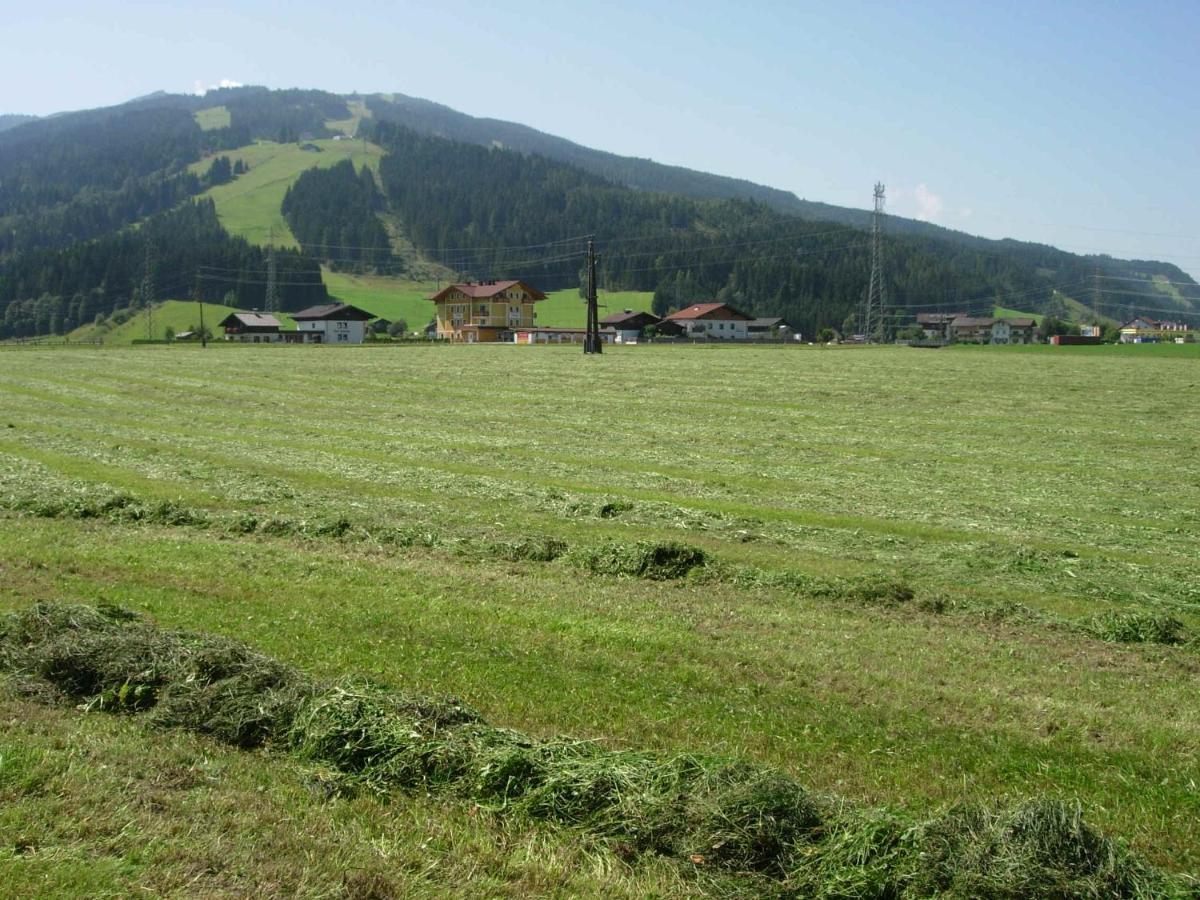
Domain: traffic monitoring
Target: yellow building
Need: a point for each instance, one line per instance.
(485, 310)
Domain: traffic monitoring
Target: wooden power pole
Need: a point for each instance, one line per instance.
(591, 341)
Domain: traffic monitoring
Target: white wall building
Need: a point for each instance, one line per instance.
(333, 323)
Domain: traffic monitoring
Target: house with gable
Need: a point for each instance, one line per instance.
(250, 328)
(629, 326)
(484, 311)
(713, 321)
(332, 323)
(992, 330)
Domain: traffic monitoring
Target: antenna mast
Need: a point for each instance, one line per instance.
(272, 301)
(874, 319)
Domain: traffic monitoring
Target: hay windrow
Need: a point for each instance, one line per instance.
(745, 823)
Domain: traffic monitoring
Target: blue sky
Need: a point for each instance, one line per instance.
(1071, 123)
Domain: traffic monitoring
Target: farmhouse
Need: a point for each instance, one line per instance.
(630, 327)
(715, 321)
(332, 323)
(990, 330)
(936, 326)
(251, 328)
(485, 311)
(1144, 330)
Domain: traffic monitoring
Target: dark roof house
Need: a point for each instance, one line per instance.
(343, 312)
(249, 323)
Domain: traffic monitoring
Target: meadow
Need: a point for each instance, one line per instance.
(914, 579)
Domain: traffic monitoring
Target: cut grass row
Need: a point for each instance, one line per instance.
(754, 828)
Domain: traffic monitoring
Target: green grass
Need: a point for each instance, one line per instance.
(566, 309)
(391, 298)
(180, 315)
(212, 118)
(249, 205)
(349, 126)
(395, 298)
(108, 807)
(1004, 311)
(362, 511)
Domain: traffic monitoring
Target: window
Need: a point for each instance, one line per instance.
(343, 337)
(483, 311)
(514, 315)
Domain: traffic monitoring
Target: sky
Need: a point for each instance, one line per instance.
(1070, 123)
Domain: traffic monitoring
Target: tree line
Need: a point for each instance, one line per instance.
(190, 255)
(334, 215)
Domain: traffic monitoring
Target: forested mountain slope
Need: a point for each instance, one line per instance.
(81, 193)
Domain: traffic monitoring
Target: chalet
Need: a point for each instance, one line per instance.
(485, 311)
(332, 323)
(630, 327)
(936, 326)
(251, 328)
(991, 330)
(713, 321)
(1144, 330)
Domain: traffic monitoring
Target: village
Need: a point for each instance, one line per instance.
(503, 311)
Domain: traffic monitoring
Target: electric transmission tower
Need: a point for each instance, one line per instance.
(148, 289)
(272, 302)
(874, 315)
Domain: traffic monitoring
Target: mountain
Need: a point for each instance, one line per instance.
(11, 120)
(81, 193)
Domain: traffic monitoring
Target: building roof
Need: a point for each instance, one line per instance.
(249, 320)
(1020, 322)
(770, 322)
(972, 322)
(706, 311)
(484, 290)
(329, 311)
(631, 316)
(551, 330)
(936, 318)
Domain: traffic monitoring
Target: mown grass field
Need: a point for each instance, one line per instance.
(1039, 503)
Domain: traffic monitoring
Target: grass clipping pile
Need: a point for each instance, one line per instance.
(745, 828)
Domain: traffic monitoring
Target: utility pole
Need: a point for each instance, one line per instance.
(1096, 295)
(200, 299)
(876, 295)
(591, 341)
(272, 302)
(148, 289)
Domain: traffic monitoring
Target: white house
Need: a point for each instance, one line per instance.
(714, 321)
(333, 323)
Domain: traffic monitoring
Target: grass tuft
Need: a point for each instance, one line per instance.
(655, 560)
(1136, 628)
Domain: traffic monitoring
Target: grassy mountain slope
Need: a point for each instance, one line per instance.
(249, 205)
(269, 129)
(179, 315)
